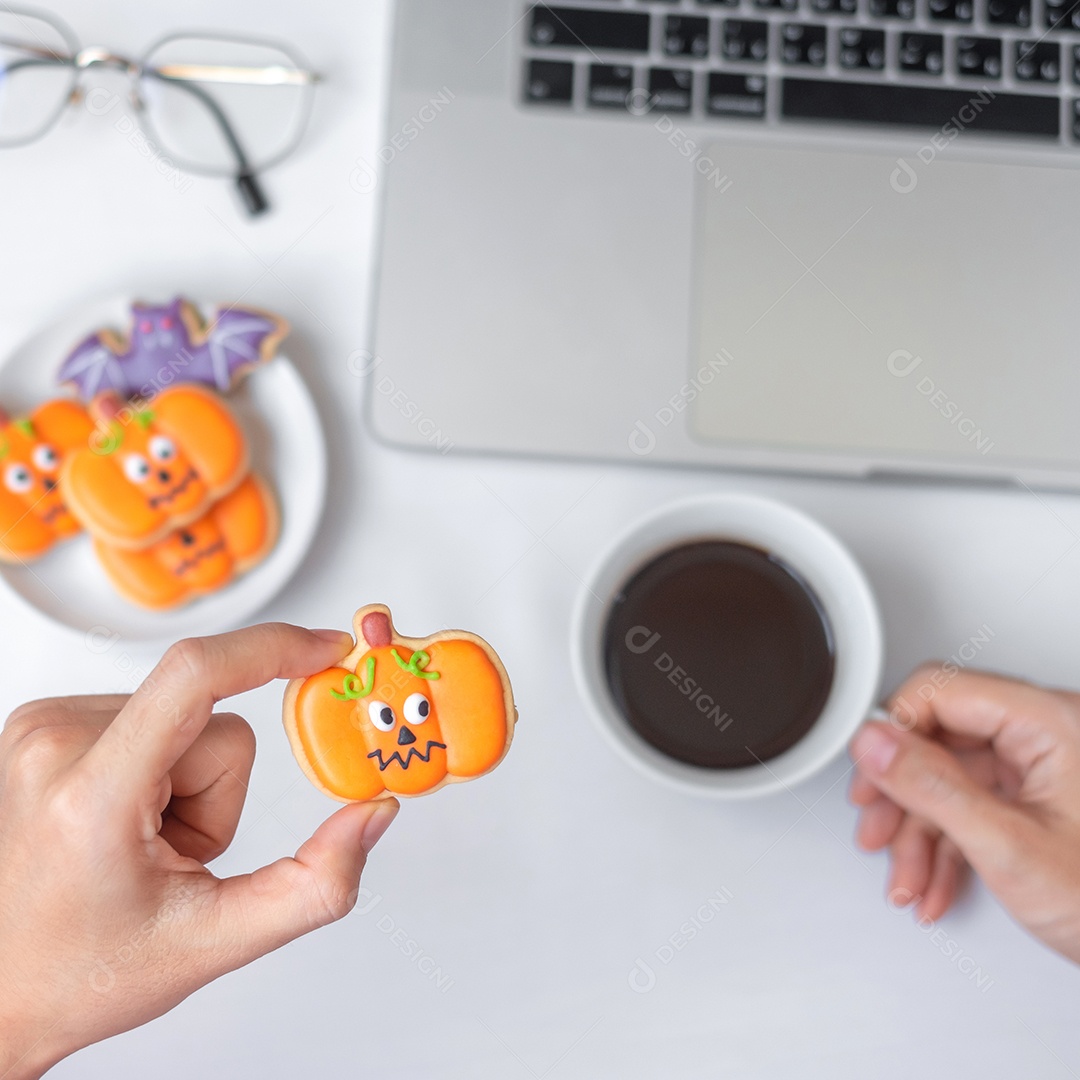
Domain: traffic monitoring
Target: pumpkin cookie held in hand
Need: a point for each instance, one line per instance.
(401, 716)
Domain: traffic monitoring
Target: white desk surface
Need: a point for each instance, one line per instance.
(537, 890)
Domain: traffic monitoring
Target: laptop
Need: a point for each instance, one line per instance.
(828, 236)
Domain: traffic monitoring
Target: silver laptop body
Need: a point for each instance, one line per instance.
(839, 236)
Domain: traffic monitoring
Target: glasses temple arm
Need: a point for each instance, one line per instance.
(247, 184)
(35, 61)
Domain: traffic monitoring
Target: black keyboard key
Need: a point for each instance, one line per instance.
(686, 35)
(892, 9)
(1076, 119)
(626, 30)
(802, 44)
(745, 40)
(610, 85)
(1008, 12)
(1062, 14)
(861, 48)
(1076, 64)
(1038, 61)
(834, 7)
(719, 3)
(670, 91)
(736, 95)
(978, 57)
(922, 52)
(919, 106)
(951, 10)
(778, 5)
(549, 81)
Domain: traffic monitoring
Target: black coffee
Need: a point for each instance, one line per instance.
(719, 654)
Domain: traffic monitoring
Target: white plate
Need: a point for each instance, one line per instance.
(287, 447)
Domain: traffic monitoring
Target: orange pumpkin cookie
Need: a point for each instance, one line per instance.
(33, 515)
(237, 534)
(152, 468)
(401, 716)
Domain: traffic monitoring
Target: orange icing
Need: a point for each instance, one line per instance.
(357, 746)
(235, 535)
(33, 514)
(153, 468)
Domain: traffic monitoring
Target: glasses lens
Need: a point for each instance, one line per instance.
(36, 75)
(219, 105)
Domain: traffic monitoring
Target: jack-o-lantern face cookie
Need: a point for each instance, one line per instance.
(401, 716)
(33, 515)
(153, 468)
(236, 534)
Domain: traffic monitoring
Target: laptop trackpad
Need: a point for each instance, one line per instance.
(843, 303)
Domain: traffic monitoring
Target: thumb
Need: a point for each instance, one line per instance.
(260, 912)
(922, 777)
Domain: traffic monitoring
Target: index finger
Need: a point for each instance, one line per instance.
(173, 704)
(976, 707)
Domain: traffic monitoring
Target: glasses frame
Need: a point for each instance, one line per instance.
(80, 58)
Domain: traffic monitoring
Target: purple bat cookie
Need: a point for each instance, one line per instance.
(170, 343)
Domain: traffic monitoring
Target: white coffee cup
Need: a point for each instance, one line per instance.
(822, 561)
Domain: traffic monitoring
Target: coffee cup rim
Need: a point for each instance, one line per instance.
(816, 555)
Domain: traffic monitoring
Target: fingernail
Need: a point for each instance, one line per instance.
(336, 636)
(378, 823)
(874, 748)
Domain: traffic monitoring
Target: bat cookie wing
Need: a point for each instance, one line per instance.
(93, 366)
(239, 339)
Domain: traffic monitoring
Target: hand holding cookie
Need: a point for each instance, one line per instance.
(110, 807)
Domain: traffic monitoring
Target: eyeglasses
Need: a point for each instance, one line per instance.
(214, 103)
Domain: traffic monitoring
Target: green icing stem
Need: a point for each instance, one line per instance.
(113, 441)
(417, 662)
(353, 688)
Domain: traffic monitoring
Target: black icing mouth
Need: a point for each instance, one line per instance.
(168, 496)
(53, 513)
(404, 761)
(192, 561)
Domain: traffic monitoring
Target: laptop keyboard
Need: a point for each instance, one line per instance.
(1006, 67)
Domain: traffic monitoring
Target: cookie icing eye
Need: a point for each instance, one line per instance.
(136, 468)
(382, 716)
(18, 478)
(417, 709)
(45, 458)
(162, 449)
